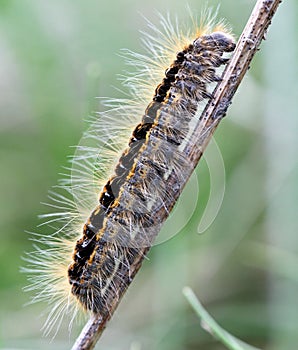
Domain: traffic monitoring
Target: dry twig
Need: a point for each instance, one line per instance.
(253, 33)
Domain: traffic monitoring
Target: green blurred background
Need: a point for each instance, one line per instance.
(55, 57)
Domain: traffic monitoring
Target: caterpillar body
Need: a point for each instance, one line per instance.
(88, 261)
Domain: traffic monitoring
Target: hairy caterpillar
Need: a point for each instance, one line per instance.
(87, 260)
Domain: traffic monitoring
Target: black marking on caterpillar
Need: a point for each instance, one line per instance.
(121, 223)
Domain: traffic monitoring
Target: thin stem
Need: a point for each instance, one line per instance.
(209, 324)
(248, 44)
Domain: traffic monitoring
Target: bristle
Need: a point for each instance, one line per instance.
(62, 262)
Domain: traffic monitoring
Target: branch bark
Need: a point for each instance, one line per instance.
(248, 44)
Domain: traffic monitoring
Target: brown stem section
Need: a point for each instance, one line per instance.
(252, 35)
